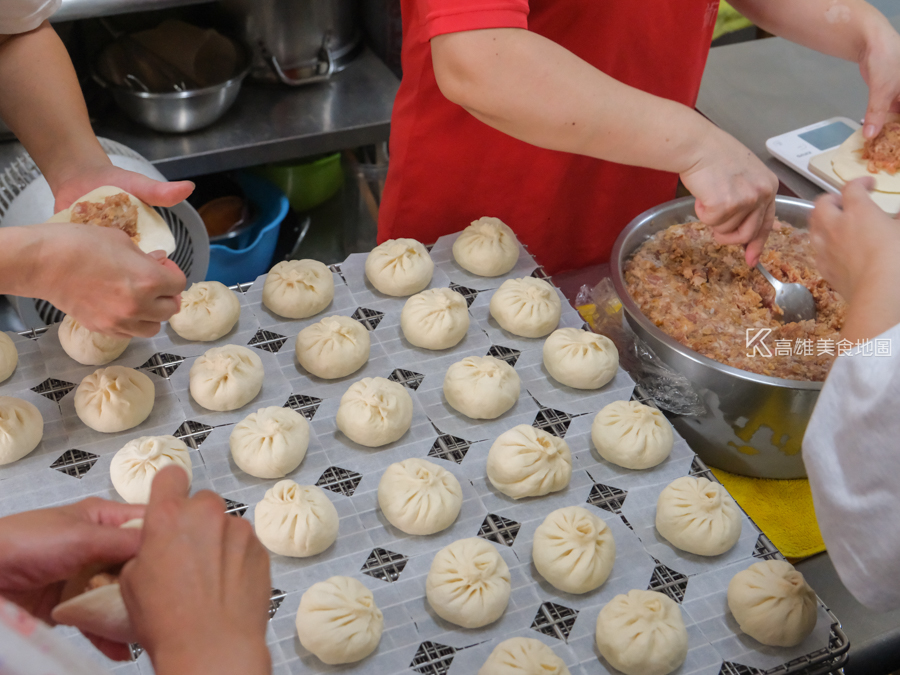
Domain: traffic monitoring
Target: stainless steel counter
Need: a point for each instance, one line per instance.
(86, 9)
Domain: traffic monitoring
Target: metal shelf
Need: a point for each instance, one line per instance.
(89, 9)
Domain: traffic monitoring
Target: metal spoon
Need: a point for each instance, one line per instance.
(795, 300)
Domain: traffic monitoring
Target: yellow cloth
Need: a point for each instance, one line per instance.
(729, 20)
(783, 510)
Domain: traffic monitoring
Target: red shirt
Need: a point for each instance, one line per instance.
(448, 169)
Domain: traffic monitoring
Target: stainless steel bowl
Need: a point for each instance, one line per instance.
(754, 424)
(180, 111)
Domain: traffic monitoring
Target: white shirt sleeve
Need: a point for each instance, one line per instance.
(852, 454)
(21, 16)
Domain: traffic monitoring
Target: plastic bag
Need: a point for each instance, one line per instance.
(601, 308)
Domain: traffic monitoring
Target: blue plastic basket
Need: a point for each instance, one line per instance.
(239, 265)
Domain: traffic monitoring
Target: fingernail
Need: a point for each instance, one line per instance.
(869, 130)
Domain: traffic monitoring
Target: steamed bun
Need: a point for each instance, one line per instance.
(468, 583)
(209, 310)
(523, 656)
(482, 388)
(574, 550)
(297, 289)
(86, 346)
(529, 462)
(632, 435)
(698, 516)
(134, 467)
(487, 247)
(527, 307)
(296, 520)
(375, 411)
(270, 443)
(419, 497)
(21, 428)
(9, 357)
(334, 347)
(773, 604)
(338, 621)
(642, 633)
(435, 319)
(114, 399)
(226, 378)
(580, 359)
(399, 267)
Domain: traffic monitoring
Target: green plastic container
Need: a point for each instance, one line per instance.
(309, 184)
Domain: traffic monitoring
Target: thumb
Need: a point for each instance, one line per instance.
(171, 483)
(880, 100)
(154, 192)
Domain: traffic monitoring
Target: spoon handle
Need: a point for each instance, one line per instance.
(772, 280)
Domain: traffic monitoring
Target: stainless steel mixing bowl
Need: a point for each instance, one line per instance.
(754, 424)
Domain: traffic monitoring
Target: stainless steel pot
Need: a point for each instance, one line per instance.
(297, 42)
(754, 424)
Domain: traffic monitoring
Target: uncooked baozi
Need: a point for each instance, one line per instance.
(487, 247)
(226, 378)
(773, 604)
(529, 462)
(297, 289)
(9, 356)
(296, 520)
(399, 267)
(642, 633)
(375, 411)
(523, 656)
(21, 428)
(114, 399)
(87, 347)
(209, 310)
(574, 550)
(526, 307)
(468, 583)
(419, 497)
(134, 467)
(270, 443)
(435, 319)
(698, 516)
(334, 347)
(580, 359)
(632, 435)
(338, 621)
(482, 388)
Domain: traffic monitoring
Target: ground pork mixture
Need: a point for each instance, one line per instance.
(114, 211)
(883, 151)
(705, 296)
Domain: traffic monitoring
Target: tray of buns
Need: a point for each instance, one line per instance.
(503, 519)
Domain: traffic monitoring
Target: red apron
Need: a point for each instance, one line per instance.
(448, 169)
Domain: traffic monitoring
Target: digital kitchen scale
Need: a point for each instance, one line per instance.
(809, 150)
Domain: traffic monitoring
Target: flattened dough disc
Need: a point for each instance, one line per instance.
(848, 163)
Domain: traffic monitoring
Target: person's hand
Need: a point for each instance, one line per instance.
(198, 590)
(735, 192)
(41, 550)
(880, 68)
(84, 179)
(100, 277)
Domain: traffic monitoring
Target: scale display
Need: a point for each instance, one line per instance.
(795, 148)
(830, 136)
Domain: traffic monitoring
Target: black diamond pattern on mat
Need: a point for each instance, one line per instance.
(407, 378)
(53, 389)
(554, 620)
(267, 341)
(305, 405)
(729, 668)
(498, 529)
(432, 658)
(507, 354)
(75, 463)
(668, 581)
(235, 508)
(275, 599)
(370, 318)
(539, 273)
(450, 448)
(552, 421)
(162, 364)
(385, 565)
(339, 480)
(193, 433)
(468, 293)
(607, 497)
(764, 550)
